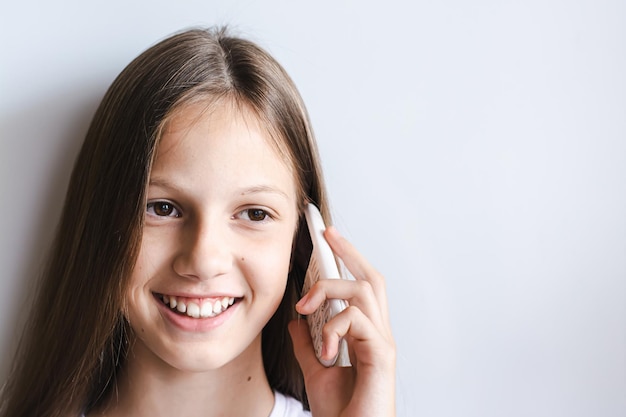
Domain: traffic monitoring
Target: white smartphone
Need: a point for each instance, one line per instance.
(322, 265)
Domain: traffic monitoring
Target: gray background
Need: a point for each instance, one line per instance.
(475, 152)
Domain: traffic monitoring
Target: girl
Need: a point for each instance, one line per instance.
(172, 285)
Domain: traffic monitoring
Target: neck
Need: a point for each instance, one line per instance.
(149, 387)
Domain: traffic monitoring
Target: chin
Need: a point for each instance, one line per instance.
(198, 357)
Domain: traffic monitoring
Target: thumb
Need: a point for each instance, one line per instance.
(303, 347)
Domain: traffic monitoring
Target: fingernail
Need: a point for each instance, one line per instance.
(303, 301)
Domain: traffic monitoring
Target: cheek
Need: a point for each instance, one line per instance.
(154, 255)
(145, 266)
(267, 265)
(271, 264)
(141, 270)
(135, 299)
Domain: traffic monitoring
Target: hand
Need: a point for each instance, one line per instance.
(367, 389)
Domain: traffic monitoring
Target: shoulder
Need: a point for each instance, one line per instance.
(287, 407)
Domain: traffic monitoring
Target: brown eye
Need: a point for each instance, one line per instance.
(162, 209)
(256, 215)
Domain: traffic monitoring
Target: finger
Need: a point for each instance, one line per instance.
(358, 293)
(360, 268)
(354, 261)
(303, 347)
(371, 348)
(373, 360)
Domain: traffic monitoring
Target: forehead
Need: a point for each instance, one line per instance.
(214, 114)
(221, 141)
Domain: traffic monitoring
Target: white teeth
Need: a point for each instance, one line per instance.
(195, 310)
(217, 308)
(206, 309)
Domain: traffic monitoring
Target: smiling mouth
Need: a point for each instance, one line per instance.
(197, 308)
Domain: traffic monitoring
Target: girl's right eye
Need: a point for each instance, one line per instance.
(162, 209)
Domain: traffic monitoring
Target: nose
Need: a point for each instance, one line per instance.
(204, 251)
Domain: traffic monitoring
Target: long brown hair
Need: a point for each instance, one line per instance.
(77, 337)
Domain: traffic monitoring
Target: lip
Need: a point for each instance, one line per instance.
(190, 324)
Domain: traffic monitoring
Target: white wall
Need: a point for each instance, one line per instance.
(475, 152)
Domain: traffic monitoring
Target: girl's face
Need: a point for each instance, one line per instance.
(217, 240)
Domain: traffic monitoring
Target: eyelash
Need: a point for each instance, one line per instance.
(171, 208)
(172, 211)
(266, 216)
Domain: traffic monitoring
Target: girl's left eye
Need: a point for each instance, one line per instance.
(255, 214)
(162, 209)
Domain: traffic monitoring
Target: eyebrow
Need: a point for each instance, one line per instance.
(255, 189)
(263, 189)
(161, 182)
